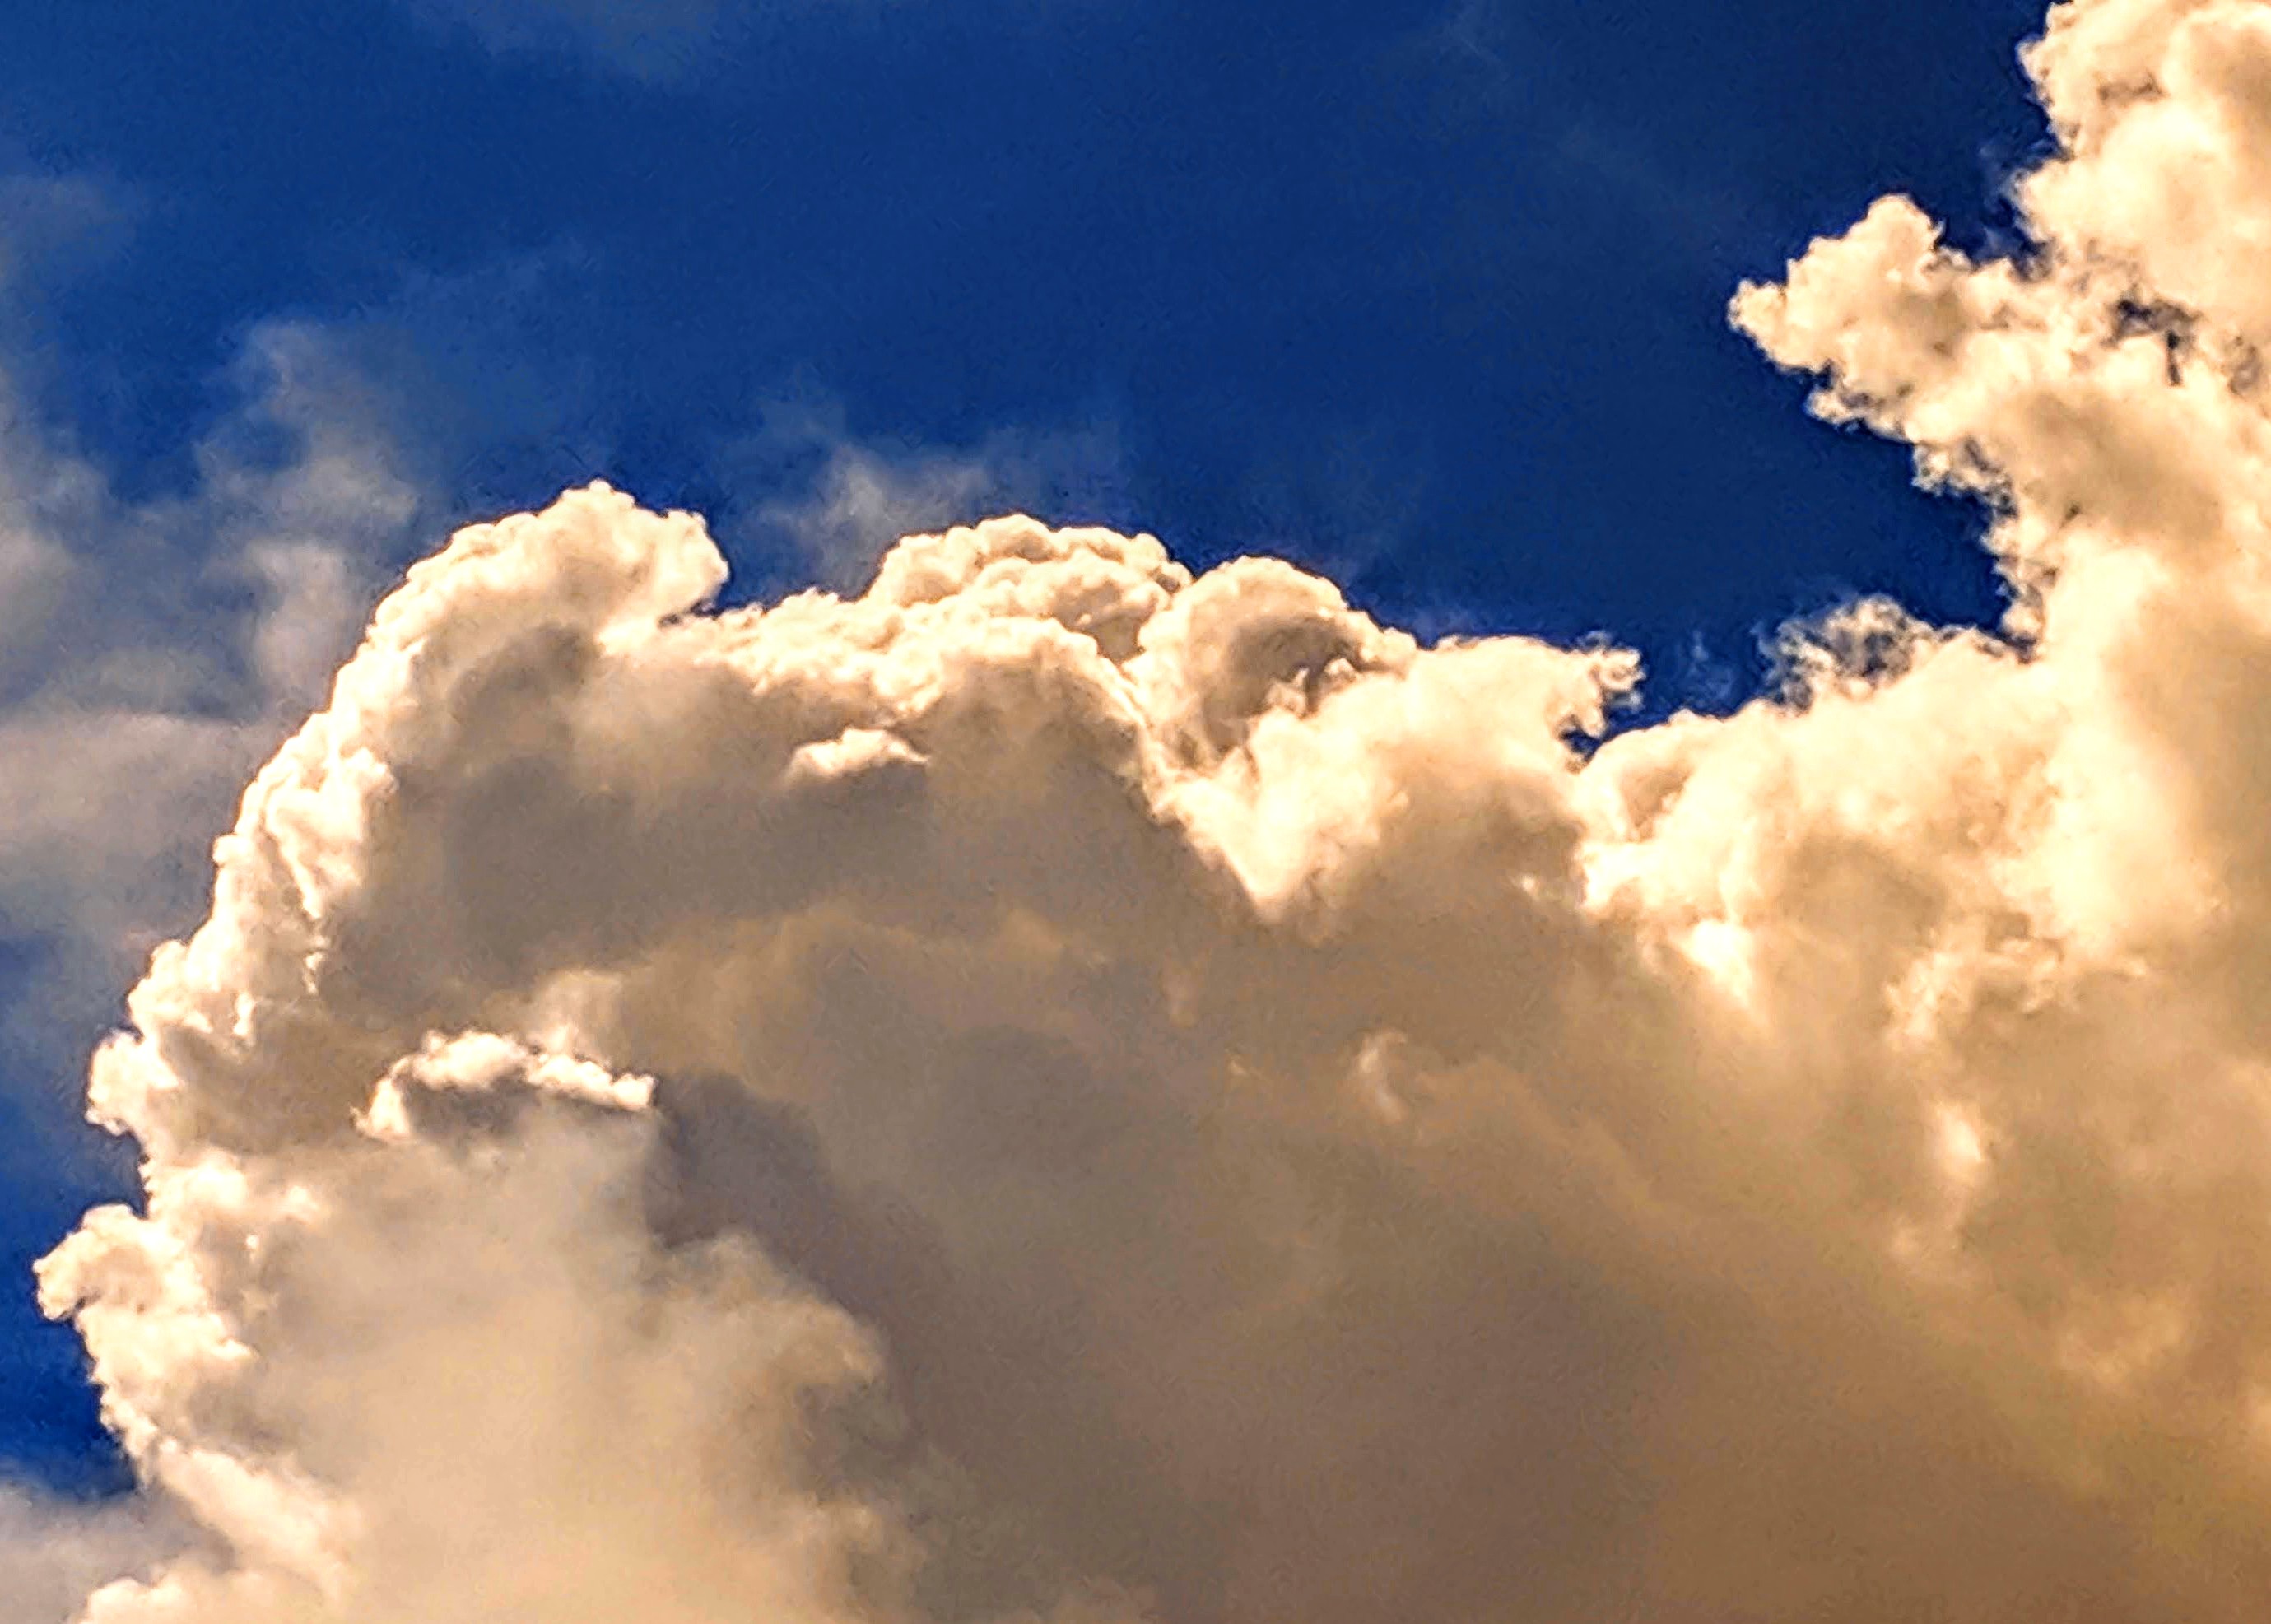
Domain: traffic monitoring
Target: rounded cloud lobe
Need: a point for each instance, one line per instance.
(1056, 1090)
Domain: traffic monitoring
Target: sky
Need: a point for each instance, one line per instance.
(1700, 907)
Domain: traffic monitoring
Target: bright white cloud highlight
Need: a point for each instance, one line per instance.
(1051, 1088)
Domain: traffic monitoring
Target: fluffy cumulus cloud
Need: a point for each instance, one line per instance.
(1052, 1089)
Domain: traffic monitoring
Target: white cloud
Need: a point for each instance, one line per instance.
(1053, 1088)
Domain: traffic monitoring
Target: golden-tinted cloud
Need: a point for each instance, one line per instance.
(1053, 1089)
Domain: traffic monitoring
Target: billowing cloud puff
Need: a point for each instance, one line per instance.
(1053, 1089)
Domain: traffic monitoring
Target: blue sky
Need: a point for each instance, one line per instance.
(1429, 297)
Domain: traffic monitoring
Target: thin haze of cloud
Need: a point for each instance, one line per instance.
(152, 651)
(47, 218)
(661, 42)
(824, 503)
(1058, 1089)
